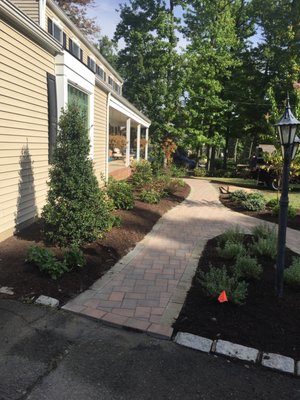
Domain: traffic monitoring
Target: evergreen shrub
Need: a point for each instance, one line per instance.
(292, 274)
(121, 193)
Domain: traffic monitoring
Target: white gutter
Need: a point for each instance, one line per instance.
(25, 24)
(107, 136)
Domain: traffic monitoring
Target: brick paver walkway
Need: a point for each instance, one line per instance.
(146, 289)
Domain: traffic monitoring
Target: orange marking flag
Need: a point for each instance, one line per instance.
(223, 297)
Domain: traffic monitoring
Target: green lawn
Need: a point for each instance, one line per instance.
(294, 197)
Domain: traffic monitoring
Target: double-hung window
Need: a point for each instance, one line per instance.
(75, 49)
(91, 64)
(110, 81)
(55, 30)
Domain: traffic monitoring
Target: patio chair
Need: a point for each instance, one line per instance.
(117, 155)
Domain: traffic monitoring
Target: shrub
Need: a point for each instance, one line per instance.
(121, 193)
(246, 267)
(265, 246)
(272, 203)
(168, 185)
(254, 202)
(292, 212)
(292, 274)
(141, 173)
(232, 250)
(151, 196)
(233, 235)
(177, 172)
(74, 257)
(200, 172)
(238, 196)
(217, 279)
(263, 231)
(76, 211)
(46, 261)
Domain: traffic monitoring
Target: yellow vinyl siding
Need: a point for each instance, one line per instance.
(23, 128)
(29, 7)
(100, 127)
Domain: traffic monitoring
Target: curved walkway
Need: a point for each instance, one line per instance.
(146, 289)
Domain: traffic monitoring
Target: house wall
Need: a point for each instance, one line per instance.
(23, 128)
(100, 128)
(29, 7)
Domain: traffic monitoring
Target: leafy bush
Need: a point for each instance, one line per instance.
(121, 193)
(177, 172)
(74, 257)
(292, 212)
(77, 211)
(254, 202)
(141, 173)
(200, 172)
(46, 261)
(238, 196)
(292, 274)
(246, 267)
(232, 250)
(233, 235)
(263, 231)
(217, 279)
(272, 203)
(166, 184)
(151, 196)
(265, 246)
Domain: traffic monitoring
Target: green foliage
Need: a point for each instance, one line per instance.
(167, 185)
(121, 193)
(254, 202)
(141, 173)
(292, 274)
(232, 250)
(151, 196)
(77, 211)
(74, 257)
(247, 268)
(292, 212)
(46, 261)
(217, 279)
(263, 231)
(200, 172)
(265, 246)
(272, 203)
(232, 235)
(177, 172)
(239, 196)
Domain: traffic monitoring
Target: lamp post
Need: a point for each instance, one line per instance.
(287, 127)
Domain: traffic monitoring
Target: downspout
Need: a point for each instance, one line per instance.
(107, 136)
(42, 14)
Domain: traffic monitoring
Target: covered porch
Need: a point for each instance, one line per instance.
(128, 137)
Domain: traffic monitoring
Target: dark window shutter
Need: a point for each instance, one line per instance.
(81, 54)
(64, 40)
(50, 26)
(52, 116)
(104, 76)
(70, 46)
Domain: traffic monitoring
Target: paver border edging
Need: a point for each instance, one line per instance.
(231, 350)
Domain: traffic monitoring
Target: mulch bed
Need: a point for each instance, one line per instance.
(28, 282)
(265, 215)
(264, 321)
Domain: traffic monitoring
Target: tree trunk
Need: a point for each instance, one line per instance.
(226, 148)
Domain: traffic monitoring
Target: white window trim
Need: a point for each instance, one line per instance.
(59, 25)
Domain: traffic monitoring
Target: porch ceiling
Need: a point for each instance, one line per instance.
(116, 118)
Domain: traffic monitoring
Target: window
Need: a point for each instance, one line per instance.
(55, 30)
(116, 87)
(91, 64)
(52, 116)
(75, 50)
(81, 98)
(100, 72)
(110, 81)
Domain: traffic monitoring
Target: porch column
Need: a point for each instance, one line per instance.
(128, 126)
(146, 147)
(138, 142)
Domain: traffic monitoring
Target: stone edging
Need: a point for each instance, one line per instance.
(236, 351)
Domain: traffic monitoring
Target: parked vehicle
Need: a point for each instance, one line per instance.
(261, 170)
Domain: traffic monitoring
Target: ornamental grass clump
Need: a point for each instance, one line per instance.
(246, 267)
(77, 211)
(262, 231)
(266, 247)
(216, 280)
(292, 274)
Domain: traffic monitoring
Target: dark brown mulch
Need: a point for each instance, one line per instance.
(265, 215)
(28, 282)
(264, 321)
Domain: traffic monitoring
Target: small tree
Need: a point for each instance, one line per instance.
(77, 211)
